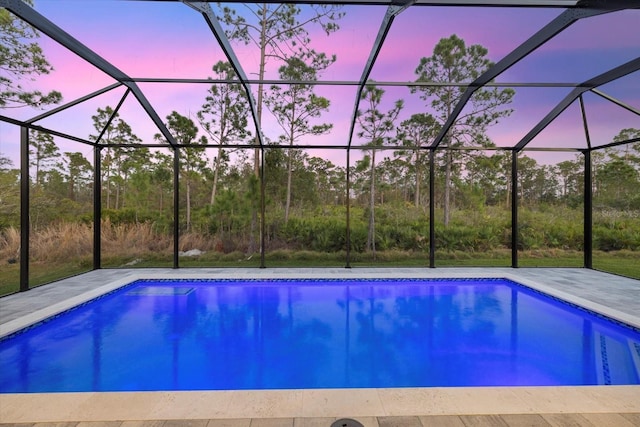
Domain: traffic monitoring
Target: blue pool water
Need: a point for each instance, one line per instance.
(277, 334)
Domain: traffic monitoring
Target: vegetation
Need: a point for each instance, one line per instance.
(305, 196)
(21, 58)
(137, 221)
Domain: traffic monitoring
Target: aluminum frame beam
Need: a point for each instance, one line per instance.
(385, 26)
(604, 78)
(73, 103)
(347, 82)
(616, 101)
(559, 24)
(520, 3)
(113, 116)
(210, 17)
(42, 24)
(616, 144)
(43, 129)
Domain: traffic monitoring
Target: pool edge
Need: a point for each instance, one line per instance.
(186, 405)
(37, 316)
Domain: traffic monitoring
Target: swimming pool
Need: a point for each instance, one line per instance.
(280, 334)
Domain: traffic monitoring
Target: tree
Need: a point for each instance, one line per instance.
(537, 183)
(279, 31)
(295, 106)
(223, 116)
(117, 161)
(415, 133)
(570, 173)
(375, 127)
(78, 173)
(618, 184)
(186, 133)
(629, 153)
(21, 58)
(490, 174)
(9, 193)
(162, 177)
(330, 180)
(43, 154)
(454, 62)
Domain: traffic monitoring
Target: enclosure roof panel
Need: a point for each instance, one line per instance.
(164, 56)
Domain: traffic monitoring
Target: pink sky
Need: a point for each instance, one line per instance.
(166, 39)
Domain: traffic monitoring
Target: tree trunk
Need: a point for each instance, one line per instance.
(508, 196)
(216, 169)
(289, 169)
(124, 192)
(38, 169)
(107, 180)
(72, 185)
(256, 151)
(108, 193)
(261, 71)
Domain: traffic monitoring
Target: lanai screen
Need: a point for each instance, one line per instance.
(178, 133)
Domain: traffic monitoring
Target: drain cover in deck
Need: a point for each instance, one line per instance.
(346, 422)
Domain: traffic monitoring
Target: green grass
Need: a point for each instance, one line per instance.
(38, 275)
(625, 263)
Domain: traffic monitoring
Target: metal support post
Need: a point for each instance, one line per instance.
(24, 209)
(176, 206)
(432, 209)
(262, 210)
(514, 209)
(97, 208)
(588, 211)
(348, 201)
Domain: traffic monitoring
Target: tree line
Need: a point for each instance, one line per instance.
(304, 194)
(219, 191)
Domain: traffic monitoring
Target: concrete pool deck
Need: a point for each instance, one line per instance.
(612, 295)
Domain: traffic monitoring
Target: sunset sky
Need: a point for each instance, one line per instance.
(169, 39)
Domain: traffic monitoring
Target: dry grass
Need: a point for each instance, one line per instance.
(133, 240)
(66, 241)
(9, 244)
(58, 242)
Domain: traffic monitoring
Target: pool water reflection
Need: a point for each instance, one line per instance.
(292, 334)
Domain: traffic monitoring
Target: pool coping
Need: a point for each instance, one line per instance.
(339, 403)
(362, 404)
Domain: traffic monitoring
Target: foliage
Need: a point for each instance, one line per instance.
(375, 127)
(454, 62)
(223, 117)
(296, 106)
(280, 32)
(306, 197)
(21, 58)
